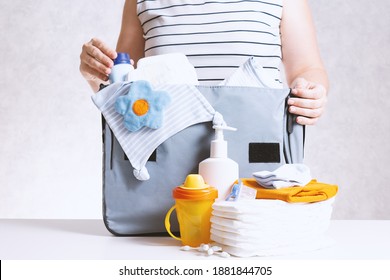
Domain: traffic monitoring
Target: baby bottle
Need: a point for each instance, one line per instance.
(193, 202)
(122, 67)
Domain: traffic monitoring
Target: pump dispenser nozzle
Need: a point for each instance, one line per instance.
(218, 170)
(218, 147)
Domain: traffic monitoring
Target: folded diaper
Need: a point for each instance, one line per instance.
(287, 175)
(172, 68)
(250, 74)
(312, 192)
(300, 245)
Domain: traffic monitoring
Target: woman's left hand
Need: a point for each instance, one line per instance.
(308, 101)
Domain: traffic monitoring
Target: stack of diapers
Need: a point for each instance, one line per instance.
(267, 227)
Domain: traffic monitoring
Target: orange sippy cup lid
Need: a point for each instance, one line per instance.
(195, 188)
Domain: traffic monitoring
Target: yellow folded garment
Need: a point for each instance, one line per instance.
(312, 192)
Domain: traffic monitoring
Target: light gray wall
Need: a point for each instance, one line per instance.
(350, 146)
(50, 142)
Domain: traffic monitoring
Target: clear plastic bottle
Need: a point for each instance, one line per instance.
(121, 69)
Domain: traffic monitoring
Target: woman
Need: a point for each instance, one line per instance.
(218, 37)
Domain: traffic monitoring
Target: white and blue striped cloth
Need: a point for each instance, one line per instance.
(187, 107)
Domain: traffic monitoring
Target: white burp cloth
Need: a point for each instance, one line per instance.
(187, 107)
(287, 175)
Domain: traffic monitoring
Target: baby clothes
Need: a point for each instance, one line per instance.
(312, 192)
(287, 175)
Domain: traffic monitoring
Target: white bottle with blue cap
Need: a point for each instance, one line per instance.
(121, 69)
(218, 170)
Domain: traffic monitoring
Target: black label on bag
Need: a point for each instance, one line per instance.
(153, 156)
(264, 152)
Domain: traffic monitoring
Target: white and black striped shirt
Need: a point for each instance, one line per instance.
(217, 36)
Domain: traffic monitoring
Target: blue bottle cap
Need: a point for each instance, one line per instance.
(122, 58)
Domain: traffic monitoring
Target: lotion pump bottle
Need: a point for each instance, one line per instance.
(218, 170)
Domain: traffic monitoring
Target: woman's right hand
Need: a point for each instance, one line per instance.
(96, 61)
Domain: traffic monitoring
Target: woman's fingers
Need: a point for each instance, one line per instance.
(308, 101)
(96, 60)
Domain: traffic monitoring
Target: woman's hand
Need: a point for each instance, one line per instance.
(308, 101)
(96, 61)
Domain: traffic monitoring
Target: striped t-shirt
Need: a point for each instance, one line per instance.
(217, 36)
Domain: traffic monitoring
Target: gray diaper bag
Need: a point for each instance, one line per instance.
(267, 137)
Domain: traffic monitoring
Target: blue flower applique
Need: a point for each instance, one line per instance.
(142, 106)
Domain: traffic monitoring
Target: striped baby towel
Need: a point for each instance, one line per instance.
(187, 107)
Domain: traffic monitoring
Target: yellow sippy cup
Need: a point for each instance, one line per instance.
(193, 202)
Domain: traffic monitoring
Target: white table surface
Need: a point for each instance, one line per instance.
(89, 239)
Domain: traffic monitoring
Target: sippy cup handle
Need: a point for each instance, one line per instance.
(168, 224)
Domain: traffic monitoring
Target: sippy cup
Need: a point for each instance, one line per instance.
(193, 202)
